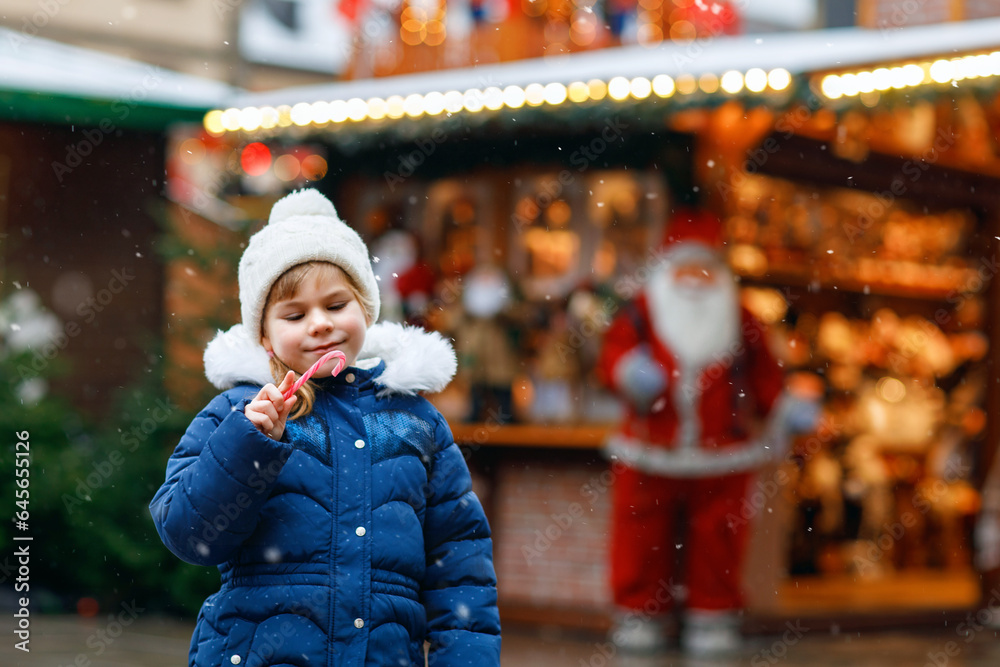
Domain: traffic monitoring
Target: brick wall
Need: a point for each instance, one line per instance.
(550, 528)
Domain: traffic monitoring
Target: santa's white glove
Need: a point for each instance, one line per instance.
(987, 541)
(640, 378)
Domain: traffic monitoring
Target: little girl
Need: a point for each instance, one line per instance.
(341, 519)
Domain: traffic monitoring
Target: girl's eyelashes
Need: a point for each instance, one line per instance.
(336, 306)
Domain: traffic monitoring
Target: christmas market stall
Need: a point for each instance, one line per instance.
(517, 206)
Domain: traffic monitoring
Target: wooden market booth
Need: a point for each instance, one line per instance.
(857, 174)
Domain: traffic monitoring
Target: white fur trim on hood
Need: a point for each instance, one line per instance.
(415, 360)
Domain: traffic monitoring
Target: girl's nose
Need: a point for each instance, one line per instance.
(320, 321)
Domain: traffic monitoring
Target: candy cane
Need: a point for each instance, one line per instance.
(342, 361)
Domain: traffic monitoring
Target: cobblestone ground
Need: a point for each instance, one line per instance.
(64, 641)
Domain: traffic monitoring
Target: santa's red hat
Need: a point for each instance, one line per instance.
(689, 224)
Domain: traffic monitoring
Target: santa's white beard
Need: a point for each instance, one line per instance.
(699, 324)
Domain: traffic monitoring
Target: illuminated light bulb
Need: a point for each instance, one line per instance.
(779, 78)
(413, 105)
(394, 107)
(302, 114)
(231, 120)
(314, 167)
(434, 103)
(513, 97)
(663, 85)
(983, 65)
(534, 94)
(619, 88)
(255, 159)
(708, 83)
(493, 98)
(338, 111)
(994, 63)
(866, 82)
(472, 101)
(250, 119)
(732, 82)
(831, 87)
(598, 89)
(321, 113)
(942, 71)
(287, 167)
(268, 118)
(640, 88)
(284, 116)
(755, 80)
(377, 108)
(883, 78)
(849, 84)
(453, 101)
(897, 77)
(555, 94)
(686, 84)
(213, 122)
(914, 74)
(965, 68)
(357, 109)
(578, 92)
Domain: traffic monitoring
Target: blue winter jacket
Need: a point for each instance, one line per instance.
(354, 540)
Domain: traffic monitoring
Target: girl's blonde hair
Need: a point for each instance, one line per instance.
(286, 287)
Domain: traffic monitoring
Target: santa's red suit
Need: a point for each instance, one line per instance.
(698, 380)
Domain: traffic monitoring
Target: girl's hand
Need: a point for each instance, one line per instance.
(268, 410)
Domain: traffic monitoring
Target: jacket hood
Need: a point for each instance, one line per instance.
(415, 360)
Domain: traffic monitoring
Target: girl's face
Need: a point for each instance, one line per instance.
(322, 314)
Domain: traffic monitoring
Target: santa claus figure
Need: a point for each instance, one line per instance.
(705, 407)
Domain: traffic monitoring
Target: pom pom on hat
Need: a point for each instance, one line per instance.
(302, 202)
(302, 227)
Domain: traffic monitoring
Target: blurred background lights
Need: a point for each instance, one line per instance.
(434, 103)
(663, 85)
(255, 159)
(578, 92)
(755, 80)
(598, 89)
(357, 109)
(555, 93)
(732, 82)
(686, 84)
(413, 105)
(618, 88)
(394, 107)
(640, 87)
(286, 167)
(779, 78)
(891, 389)
(493, 98)
(377, 108)
(302, 114)
(534, 94)
(709, 83)
(250, 119)
(314, 167)
(513, 97)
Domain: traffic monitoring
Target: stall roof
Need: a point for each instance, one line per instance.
(798, 52)
(46, 81)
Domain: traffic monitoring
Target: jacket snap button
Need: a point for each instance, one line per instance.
(359, 623)
(360, 531)
(235, 660)
(349, 377)
(359, 444)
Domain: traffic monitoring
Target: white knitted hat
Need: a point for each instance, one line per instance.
(303, 227)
